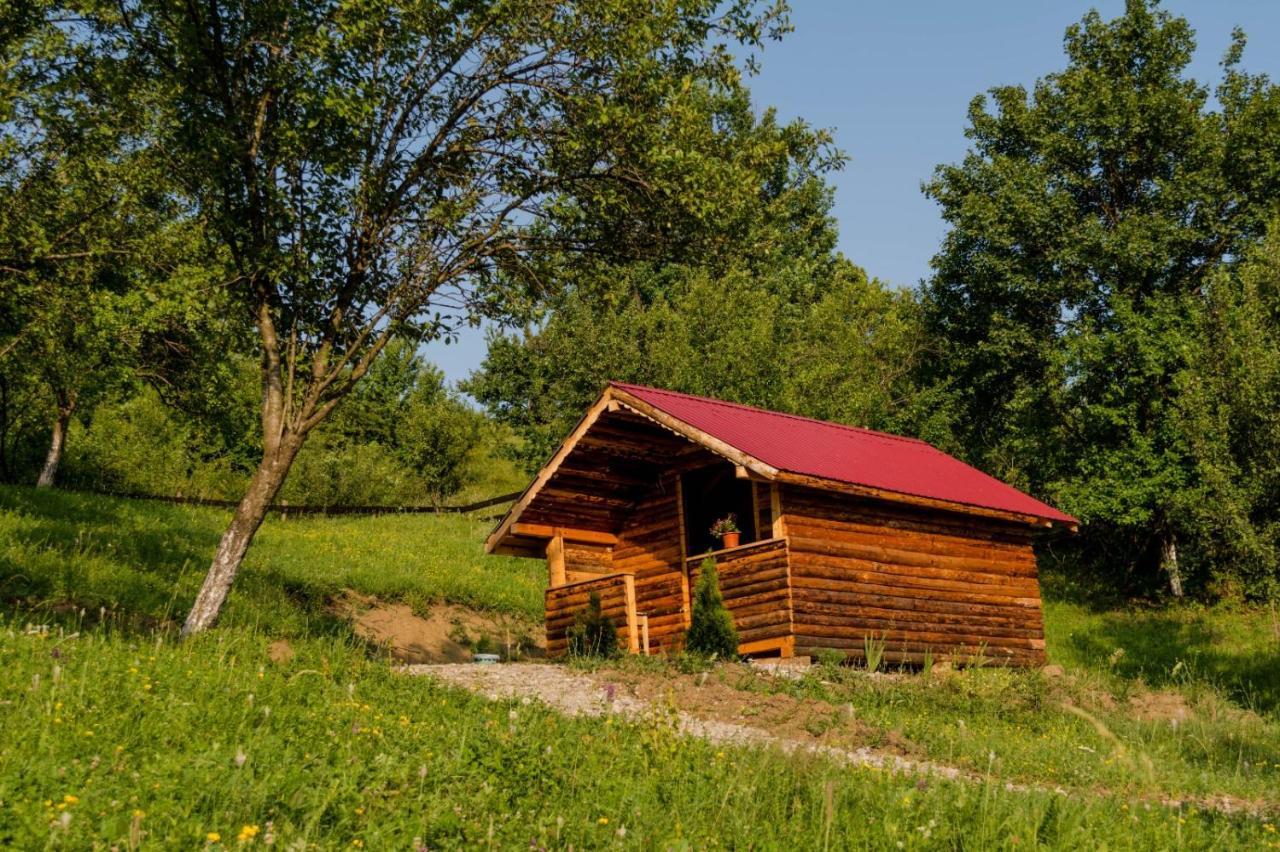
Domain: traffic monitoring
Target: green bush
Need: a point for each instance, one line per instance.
(711, 630)
(593, 634)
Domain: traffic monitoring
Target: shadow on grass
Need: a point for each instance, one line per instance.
(80, 561)
(1175, 647)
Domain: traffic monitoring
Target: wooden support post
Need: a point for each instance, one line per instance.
(686, 601)
(556, 575)
(756, 530)
(644, 635)
(633, 627)
(775, 511)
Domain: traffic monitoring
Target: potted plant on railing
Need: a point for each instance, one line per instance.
(726, 529)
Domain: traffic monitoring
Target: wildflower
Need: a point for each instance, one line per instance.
(139, 813)
(247, 833)
(358, 843)
(359, 811)
(70, 799)
(212, 837)
(603, 821)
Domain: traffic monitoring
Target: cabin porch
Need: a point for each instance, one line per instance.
(754, 581)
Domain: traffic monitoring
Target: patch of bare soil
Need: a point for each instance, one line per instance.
(280, 652)
(1168, 707)
(444, 634)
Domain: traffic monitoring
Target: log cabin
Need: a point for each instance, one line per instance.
(847, 536)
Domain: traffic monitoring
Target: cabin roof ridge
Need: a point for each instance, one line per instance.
(863, 430)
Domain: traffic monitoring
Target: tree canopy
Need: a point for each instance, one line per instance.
(1086, 224)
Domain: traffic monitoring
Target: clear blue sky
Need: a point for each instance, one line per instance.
(893, 81)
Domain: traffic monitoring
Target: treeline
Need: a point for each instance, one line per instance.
(404, 439)
(1101, 328)
(225, 233)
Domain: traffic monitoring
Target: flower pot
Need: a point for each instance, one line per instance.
(730, 539)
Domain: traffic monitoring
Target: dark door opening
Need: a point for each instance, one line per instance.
(710, 493)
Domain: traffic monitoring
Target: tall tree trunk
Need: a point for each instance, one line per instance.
(249, 515)
(66, 407)
(1169, 562)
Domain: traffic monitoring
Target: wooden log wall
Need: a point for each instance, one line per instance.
(650, 546)
(583, 561)
(755, 583)
(563, 603)
(948, 584)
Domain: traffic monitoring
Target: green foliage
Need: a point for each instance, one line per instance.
(711, 632)
(845, 358)
(752, 305)
(1227, 400)
(873, 652)
(592, 634)
(405, 439)
(136, 444)
(1088, 223)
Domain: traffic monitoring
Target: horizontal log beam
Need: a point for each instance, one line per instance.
(569, 533)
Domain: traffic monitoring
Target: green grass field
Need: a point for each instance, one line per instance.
(115, 735)
(144, 561)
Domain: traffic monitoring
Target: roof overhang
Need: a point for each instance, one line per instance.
(518, 535)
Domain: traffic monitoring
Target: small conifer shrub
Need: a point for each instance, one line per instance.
(593, 634)
(711, 630)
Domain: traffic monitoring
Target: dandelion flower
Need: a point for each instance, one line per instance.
(603, 821)
(247, 833)
(70, 799)
(213, 837)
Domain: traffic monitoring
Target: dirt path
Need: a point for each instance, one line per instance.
(718, 712)
(598, 694)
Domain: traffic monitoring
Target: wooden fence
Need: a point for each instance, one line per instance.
(286, 509)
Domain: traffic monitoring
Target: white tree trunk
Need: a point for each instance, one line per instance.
(235, 542)
(49, 472)
(1169, 562)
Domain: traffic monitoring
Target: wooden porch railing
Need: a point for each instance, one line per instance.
(755, 582)
(617, 600)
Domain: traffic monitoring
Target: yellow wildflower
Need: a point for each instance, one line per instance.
(70, 799)
(603, 821)
(247, 833)
(213, 837)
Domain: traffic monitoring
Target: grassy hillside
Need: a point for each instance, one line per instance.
(144, 561)
(116, 735)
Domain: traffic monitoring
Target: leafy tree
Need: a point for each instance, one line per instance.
(377, 170)
(711, 631)
(1086, 223)
(761, 311)
(94, 253)
(1228, 398)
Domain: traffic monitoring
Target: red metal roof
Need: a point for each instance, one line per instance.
(844, 453)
